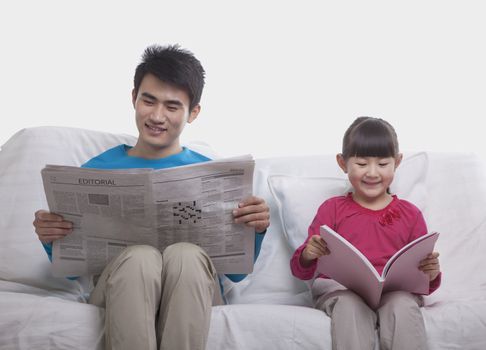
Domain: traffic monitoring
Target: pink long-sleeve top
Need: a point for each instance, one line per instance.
(378, 234)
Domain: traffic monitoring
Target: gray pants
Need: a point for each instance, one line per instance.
(157, 301)
(353, 323)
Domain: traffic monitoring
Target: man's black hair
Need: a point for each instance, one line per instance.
(173, 65)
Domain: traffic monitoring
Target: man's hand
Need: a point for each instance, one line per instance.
(430, 265)
(253, 212)
(50, 227)
(315, 248)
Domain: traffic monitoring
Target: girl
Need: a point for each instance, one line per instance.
(378, 223)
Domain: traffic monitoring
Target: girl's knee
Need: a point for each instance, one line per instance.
(346, 300)
(399, 302)
(399, 297)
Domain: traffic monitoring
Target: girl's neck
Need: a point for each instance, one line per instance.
(377, 203)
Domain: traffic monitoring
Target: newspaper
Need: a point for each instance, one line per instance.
(113, 209)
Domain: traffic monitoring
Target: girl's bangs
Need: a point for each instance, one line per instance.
(372, 146)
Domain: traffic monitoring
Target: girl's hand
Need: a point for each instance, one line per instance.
(315, 248)
(430, 265)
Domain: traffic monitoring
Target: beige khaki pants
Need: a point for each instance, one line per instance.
(157, 301)
(353, 324)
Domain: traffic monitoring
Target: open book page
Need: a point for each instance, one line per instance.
(112, 209)
(348, 266)
(401, 271)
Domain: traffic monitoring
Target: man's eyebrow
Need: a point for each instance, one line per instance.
(174, 102)
(147, 95)
(168, 102)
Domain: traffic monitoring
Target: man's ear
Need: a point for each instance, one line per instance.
(134, 97)
(398, 159)
(194, 113)
(341, 162)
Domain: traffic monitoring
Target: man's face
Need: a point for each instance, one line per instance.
(161, 112)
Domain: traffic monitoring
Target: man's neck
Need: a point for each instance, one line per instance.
(148, 152)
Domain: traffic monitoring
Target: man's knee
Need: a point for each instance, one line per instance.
(134, 264)
(140, 255)
(187, 254)
(184, 251)
(141, 251)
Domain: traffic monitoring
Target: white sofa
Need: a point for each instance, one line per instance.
(269, 309)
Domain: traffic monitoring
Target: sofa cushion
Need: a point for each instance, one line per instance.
(22, 257)
(298, 197)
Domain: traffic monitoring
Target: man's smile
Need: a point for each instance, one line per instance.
(155, 129)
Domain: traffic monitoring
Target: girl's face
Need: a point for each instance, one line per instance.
(370, 178)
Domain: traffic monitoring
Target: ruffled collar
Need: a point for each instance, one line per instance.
(385, 216)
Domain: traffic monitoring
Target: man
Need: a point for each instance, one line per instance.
(159, 300)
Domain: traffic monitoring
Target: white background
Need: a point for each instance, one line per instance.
(283, 77)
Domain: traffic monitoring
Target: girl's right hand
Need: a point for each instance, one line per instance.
(315, 248)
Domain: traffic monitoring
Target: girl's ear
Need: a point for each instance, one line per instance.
(398, 159)
(341, 162)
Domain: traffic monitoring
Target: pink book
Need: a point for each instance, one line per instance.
(348, 266)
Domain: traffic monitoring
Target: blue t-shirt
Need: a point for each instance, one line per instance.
(118, 158)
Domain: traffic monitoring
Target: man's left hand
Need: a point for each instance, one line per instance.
(253, 212)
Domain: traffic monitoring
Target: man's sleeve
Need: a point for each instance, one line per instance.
(237, 277)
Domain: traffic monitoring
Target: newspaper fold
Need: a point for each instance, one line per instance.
(113, 209)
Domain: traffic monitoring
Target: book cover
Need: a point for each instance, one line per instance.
(348, 266)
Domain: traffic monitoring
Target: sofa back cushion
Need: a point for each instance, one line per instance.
(22, 257)
(298, 197)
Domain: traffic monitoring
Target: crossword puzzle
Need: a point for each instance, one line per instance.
(186, 212)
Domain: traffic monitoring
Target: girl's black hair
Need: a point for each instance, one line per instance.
(370, 137)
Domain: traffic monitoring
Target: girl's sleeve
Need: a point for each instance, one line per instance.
(435, 284)
(420, 229)
(322, 217)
